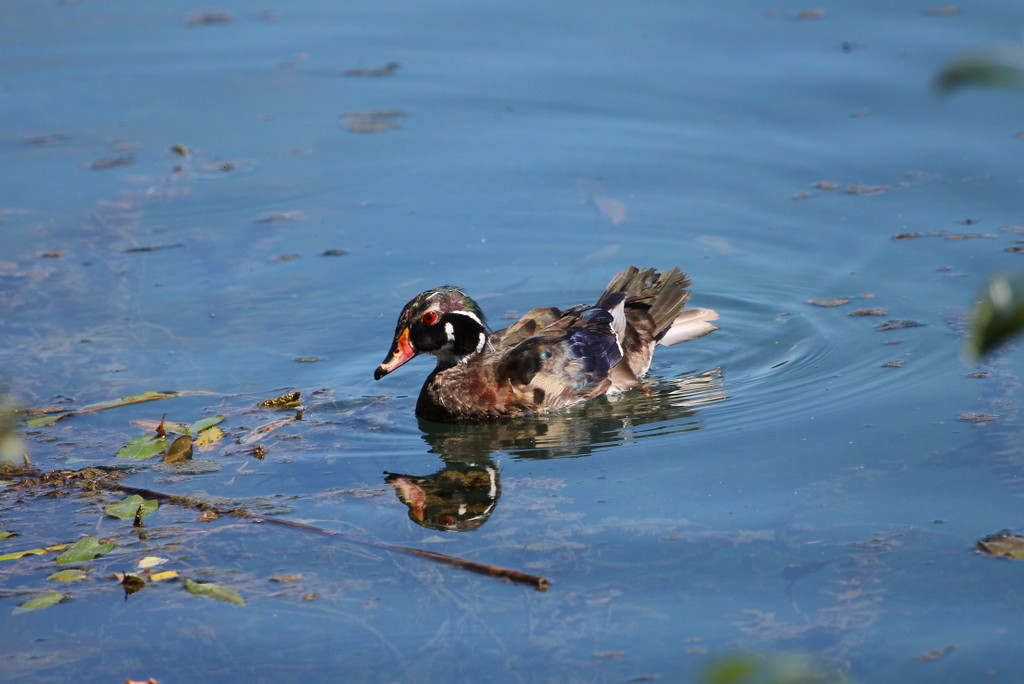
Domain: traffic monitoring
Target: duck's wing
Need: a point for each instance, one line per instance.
(567, 361)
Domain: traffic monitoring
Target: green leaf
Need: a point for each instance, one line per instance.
(1001, 66)
(100, 405)
(215, 591)
(85, 549)
(44, 601)
(147, 446)
(68, 575)
(6, 534)
(998, 316)
(205, 423)
(128, 508)
(124, 401)
(180, 450)
(42, 421)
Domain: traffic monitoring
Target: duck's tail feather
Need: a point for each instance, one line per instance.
(688, 325)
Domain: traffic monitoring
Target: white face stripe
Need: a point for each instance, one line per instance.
(469, 314)
(449, 330)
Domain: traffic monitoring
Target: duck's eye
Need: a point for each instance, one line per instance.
(429, 318)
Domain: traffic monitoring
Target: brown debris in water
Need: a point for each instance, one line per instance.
(207, 18)
(897, 324)
(379, 72)
(374, 121)
(835, 301)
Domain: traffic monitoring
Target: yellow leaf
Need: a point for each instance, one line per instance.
(166, 574)
(151, 562)
(33, 552)
(209, 437)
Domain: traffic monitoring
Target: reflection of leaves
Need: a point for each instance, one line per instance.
(147, 446)
(214, 591)
(38, 602)
(1000, 66)
(998, 316)
(128, 508)
(85, 549)
(1003, 544)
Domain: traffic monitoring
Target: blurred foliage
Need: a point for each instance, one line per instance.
(998, 316)
(753, 668)
(11, 448)
(1000, 66)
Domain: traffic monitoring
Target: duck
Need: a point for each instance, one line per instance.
(550, 358)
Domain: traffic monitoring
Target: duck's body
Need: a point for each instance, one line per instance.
(548, 359)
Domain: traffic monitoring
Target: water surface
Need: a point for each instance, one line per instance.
(800, 481)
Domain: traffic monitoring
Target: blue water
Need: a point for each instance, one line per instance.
(779, 490)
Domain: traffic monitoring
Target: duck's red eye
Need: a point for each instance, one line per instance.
(429, 318)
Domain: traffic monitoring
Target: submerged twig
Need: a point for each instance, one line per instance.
(538, 583)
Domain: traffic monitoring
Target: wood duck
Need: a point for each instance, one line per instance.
(548, 359)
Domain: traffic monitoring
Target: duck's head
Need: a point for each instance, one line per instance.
(445, 322)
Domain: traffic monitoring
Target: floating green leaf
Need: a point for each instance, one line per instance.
(215, 591)
(180, 450)
(100, 405)
(85, 549)
(6, 534)
(205, 423)
(998, 316)
(124, 401)
(43, 421)
(69, 575)
(128, 508)
(147, 446)
(1000, 66)
(44, 601)
(33, 552)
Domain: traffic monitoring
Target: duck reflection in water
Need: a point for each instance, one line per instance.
(463, 493)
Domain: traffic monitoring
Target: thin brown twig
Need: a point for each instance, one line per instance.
(538, 583)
